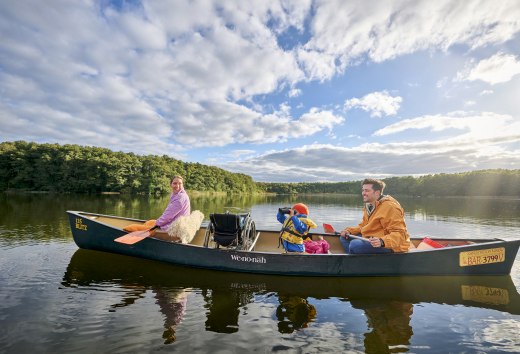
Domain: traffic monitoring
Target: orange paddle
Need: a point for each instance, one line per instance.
(136, 236)
(328, 228)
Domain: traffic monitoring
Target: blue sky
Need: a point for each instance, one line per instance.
(280, 90)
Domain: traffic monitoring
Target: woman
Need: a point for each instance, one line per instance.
(178, 206)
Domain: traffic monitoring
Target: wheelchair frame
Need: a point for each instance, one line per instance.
(244, 236)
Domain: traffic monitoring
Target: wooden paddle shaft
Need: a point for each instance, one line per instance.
(357, 237)
(330, 228)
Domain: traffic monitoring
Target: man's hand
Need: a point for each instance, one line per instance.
(344, 233)
(375, 242)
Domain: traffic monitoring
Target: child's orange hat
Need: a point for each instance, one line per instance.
(301, 208)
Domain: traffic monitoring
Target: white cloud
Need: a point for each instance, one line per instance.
(497, 69)
(320, 162)
(317, 65)
(347, 30)
(458, 141)
(294, 92)
(230, 122)
(314, 121)
(142, 33)
(377, 103)
(477, 125)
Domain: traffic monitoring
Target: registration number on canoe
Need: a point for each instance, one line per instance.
(80, 225)
(485, 294)
(491, 255)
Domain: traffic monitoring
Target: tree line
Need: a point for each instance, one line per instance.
(29, 166)
(497, 182)
(57, 168)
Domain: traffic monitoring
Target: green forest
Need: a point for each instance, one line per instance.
(491, 183)
(33, 167)
(78, 169)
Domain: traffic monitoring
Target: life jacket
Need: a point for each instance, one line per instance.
(290, 234)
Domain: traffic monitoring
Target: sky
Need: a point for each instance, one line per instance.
(283, 91)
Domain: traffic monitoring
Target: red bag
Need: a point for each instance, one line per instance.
(316, 247)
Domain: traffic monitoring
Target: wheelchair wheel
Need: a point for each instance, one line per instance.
(248, 233)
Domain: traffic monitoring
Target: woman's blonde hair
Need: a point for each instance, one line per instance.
(178, 177)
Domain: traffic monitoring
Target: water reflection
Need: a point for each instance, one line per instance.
(488, 210)
(294, 313)
(172, 303)
(222, 305)
(387, 302)
(389, 325)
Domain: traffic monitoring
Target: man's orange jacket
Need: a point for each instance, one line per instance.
(386, 222)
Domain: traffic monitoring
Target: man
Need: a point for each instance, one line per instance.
(382, 225)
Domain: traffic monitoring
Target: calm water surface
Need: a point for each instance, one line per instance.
(57, 298)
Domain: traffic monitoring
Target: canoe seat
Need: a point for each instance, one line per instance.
(230, 230)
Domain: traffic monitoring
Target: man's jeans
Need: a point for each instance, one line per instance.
(355, 246)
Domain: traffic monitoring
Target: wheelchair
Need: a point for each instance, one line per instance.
(233, 231)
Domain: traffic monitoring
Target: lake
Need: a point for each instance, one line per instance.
(57, 298)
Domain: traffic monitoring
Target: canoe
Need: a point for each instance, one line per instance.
(264, 256)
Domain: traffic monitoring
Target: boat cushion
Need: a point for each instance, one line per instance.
(140, 227)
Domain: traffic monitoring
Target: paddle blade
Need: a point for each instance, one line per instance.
(133, 237)
(328, 228)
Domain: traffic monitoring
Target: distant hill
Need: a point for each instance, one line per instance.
(29, 166)
(80, 169)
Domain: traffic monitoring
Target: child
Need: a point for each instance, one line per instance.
(296, 226)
